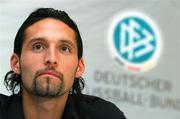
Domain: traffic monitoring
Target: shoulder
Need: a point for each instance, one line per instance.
(98, 102)
(3, 100)
(102, 107)
(6, 101)
(10, 106)
(3, 103)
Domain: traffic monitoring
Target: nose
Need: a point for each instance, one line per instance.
(51, 57)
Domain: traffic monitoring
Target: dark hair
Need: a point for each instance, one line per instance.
(13, 80)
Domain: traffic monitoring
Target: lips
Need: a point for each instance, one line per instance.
(49, 73)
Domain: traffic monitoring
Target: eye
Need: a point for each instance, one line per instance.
(38, 47)
(65, 49)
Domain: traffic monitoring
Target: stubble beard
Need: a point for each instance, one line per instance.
(49, 90)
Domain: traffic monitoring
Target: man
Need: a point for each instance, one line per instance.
(47, 66)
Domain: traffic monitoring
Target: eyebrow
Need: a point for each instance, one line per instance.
(68, 42)
(37, 39)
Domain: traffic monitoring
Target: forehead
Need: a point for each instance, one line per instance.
(50, 28)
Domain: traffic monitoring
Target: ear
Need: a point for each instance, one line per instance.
(80, 69)
(15, 66)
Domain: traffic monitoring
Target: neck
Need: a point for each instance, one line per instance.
(36, 107)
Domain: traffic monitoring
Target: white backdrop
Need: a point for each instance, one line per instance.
(150, 95)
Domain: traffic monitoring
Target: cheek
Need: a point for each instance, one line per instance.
(28, 66)
(26, 75)
(70, 67)
(30, 61)
(26, 71)
(69, 72)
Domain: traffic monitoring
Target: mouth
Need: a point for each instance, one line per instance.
(49, 73)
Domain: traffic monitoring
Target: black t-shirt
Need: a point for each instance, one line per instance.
(86, 107)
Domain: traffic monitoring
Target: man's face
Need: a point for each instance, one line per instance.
(48, 63)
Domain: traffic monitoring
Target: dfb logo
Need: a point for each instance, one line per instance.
(135, 41)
